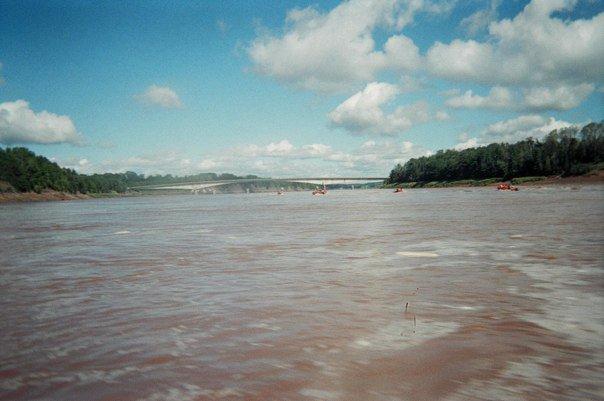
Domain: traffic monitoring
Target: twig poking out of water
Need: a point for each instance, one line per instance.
(406, 306)
(407, 318)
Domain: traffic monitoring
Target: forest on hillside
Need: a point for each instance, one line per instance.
(25, 171)
(568, 151)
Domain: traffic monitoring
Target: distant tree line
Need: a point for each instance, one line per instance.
(25, 171)
(567, 151)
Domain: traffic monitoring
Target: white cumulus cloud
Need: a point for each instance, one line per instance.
(533, 47)
(442, 115)
(498, 98)
(556, 97)
(363, 112)
(162, 96)
(331, 51)
(19, 124)
(465, 142)
(562, 97)
(522, 127)
(513, 130)
(316, 149)
(207, 165)
(481, 19)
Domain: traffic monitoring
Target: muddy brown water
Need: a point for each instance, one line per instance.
(295, 297)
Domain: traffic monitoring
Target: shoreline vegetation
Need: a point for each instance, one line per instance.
(567, 156)
(21, 170)
(591, 178)
(566, 152)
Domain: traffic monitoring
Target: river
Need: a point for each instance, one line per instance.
(436, 294)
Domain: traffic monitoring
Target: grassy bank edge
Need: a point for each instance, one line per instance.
(49, 195)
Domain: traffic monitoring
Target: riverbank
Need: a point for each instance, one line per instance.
(45, 196)
(594, 177)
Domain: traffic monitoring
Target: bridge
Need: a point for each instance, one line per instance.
(203, 185)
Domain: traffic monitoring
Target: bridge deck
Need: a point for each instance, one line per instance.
(311, 180)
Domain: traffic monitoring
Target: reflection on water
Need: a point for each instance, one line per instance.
(359, 295)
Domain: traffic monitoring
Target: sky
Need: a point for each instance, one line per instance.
(291, 88)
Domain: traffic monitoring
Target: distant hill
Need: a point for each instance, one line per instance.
(565, 152)
(21, 170)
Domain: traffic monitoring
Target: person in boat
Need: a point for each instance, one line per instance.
(506, 187)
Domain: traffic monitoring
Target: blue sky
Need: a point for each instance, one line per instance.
(291, 87)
